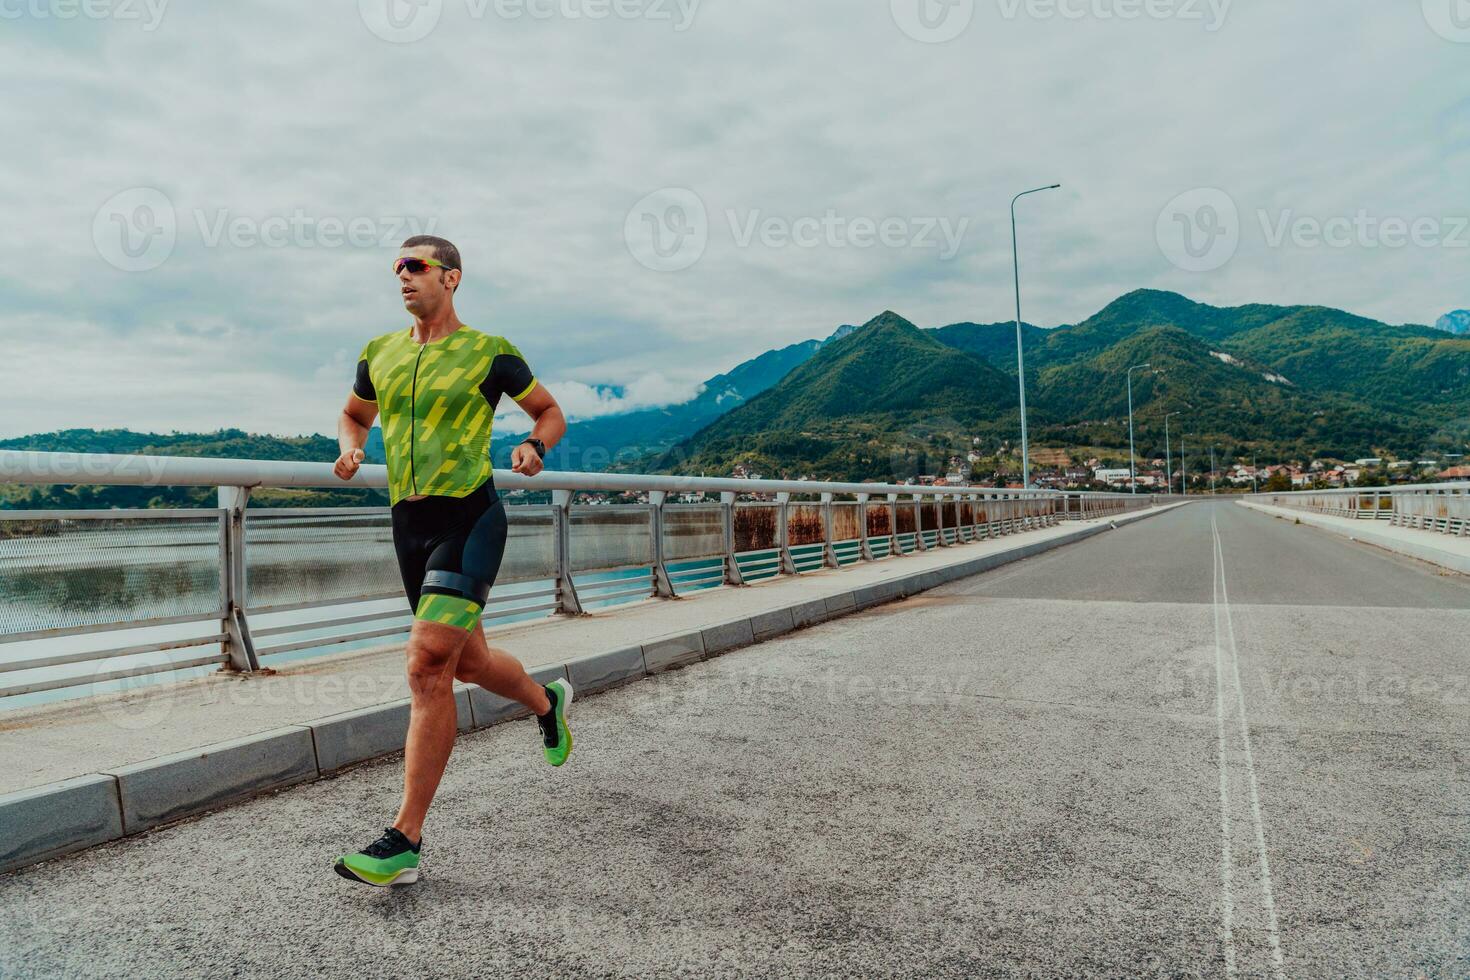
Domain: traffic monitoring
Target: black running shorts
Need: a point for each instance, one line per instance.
(449, 552)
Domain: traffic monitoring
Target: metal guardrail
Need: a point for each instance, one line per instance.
(1441, 507)
(236, 575)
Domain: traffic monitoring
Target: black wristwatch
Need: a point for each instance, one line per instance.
(537, 445)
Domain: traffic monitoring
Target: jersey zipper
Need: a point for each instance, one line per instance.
(413, 420)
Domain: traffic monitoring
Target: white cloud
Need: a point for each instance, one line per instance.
(528, 140)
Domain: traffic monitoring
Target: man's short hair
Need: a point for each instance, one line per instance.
(444, 249)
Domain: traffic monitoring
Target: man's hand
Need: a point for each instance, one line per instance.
(348, 464)
(525, 461)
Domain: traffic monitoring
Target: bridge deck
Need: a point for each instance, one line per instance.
(1209, 742)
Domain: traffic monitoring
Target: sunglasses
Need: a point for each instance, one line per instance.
(416, 265)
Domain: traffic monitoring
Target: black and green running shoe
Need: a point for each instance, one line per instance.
(390, 860)
(556, 737)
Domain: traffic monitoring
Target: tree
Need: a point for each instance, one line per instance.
(1280, 482)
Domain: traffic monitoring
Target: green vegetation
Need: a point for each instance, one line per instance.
(1273, 382)
(224, 444)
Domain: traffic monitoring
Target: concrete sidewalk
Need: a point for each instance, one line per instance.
(96, 769)
(1444, 550)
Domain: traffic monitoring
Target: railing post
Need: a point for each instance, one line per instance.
(894, 547)
(919, 544)
(662, 587)
(234, 586)
(561, 520)
(829, 553)
(727, 527)
(783, 532)
(867, 549)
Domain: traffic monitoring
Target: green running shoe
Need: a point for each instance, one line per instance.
(555, 735)
(390, 860)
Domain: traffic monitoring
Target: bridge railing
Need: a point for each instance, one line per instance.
(1441, 507)
(105, 596)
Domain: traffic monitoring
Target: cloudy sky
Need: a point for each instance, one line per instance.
(203, 199)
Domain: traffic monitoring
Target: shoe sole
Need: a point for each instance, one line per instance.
(406, 877)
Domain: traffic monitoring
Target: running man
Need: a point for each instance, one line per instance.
(437, 384)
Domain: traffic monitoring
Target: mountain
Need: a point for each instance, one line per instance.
(993, 343)
(1408, 369)
(864, 407)
(596, 444)
(1298, 381)
(1457, 323)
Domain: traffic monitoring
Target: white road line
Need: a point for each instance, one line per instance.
(1227, 902)
(1267, 887)
(1221, 597)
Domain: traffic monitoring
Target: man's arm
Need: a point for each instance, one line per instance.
(550, 425)
(353, 426)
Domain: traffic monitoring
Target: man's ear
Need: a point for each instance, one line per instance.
(452, 278)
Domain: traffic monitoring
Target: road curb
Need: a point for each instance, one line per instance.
(55, 819)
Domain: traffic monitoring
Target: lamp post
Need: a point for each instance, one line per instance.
(1020, 355)
(1183, 469)
(1168, 459)
(1132, 470)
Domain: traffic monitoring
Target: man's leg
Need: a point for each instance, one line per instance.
(433, 654)
(499, 673)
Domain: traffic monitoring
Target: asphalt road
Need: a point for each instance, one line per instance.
(1209, 743)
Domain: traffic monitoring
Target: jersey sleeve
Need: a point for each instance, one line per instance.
(363, 386)
(509, 375)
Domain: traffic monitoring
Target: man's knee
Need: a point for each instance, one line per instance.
(433, 659)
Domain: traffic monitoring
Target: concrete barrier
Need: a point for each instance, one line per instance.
(356, 736)
(727, 636)
(56, 819)
(669, 652)
(161, 790)
(603, 671)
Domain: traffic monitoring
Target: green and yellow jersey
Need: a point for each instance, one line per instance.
(436, 403)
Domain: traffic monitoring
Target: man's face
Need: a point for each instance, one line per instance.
(424, 293)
